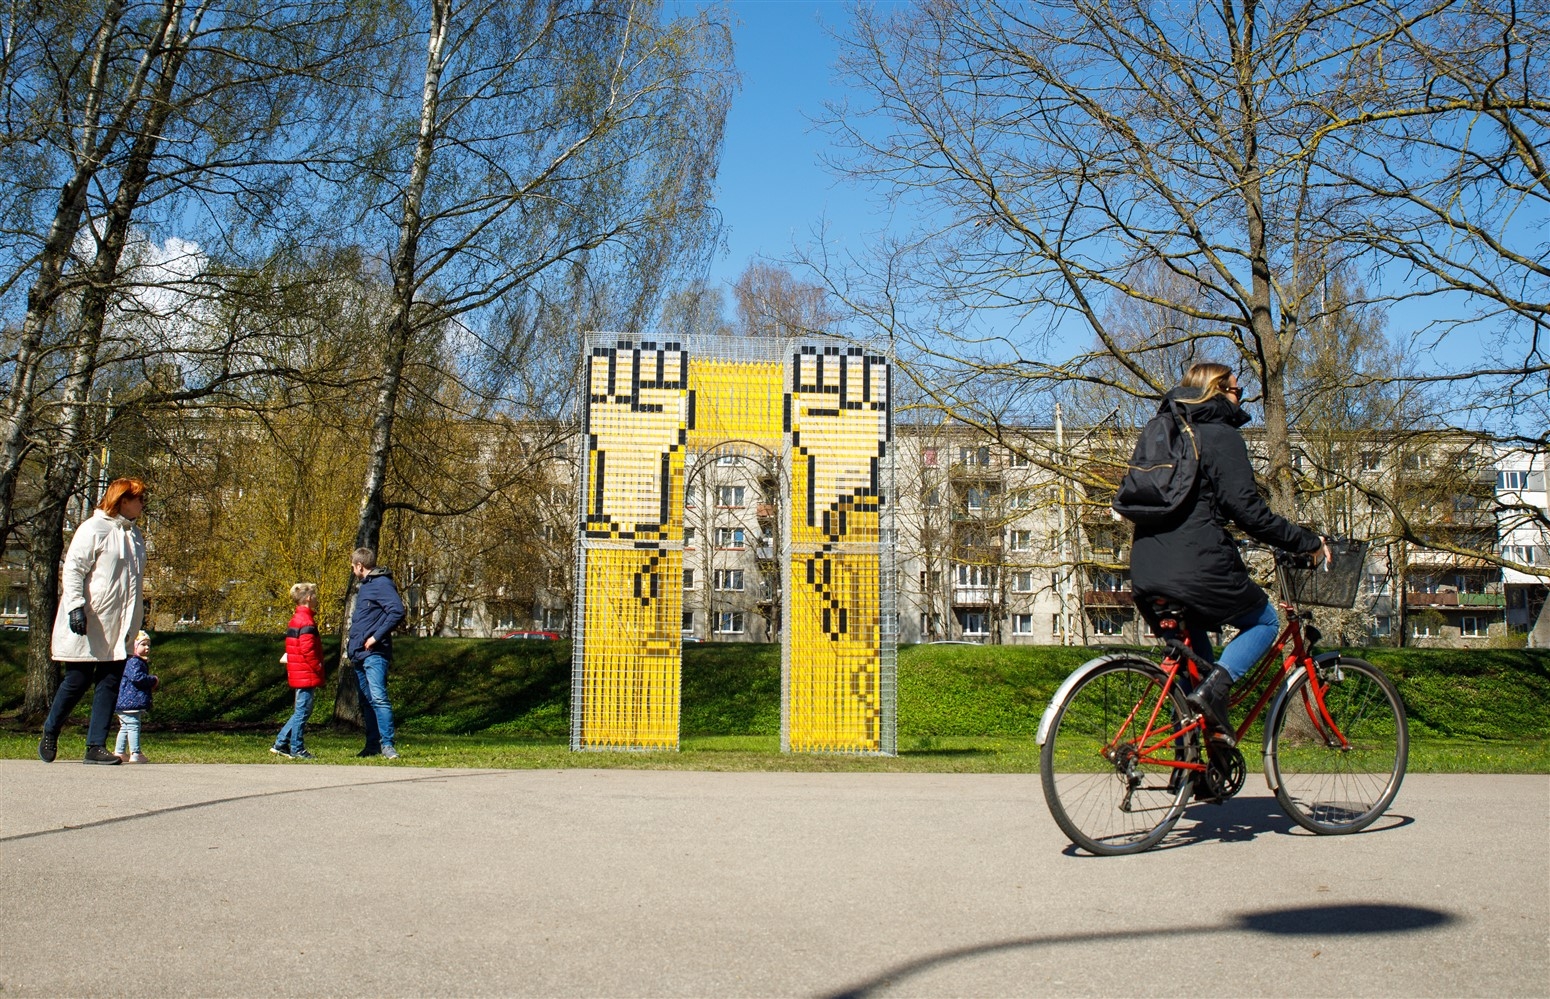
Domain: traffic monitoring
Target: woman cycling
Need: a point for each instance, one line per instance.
(1191, 559)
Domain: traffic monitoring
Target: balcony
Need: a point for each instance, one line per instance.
(1450, 599)
(975, 596)
(1107, 598)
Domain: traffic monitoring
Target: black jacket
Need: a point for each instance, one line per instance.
(1192, 559)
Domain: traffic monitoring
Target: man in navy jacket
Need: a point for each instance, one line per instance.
(378, 610)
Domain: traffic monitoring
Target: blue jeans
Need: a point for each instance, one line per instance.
(128, 732)
(1257, 631)
(376, 712)
(294, 734)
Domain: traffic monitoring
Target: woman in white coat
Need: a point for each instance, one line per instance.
(100, 611)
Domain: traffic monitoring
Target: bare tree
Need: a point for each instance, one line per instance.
(1106, 192)
(559, 159)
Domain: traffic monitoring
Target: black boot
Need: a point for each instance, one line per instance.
(1210, 699)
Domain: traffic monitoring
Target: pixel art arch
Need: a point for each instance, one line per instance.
(824, 409)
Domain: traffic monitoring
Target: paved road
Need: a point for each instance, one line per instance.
(316, 880)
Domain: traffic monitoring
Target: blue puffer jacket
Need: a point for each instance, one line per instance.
(134, 690)
(378, 610)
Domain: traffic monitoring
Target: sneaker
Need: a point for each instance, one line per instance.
(137, 758)
(280, 751)
(302, 754)
(48, 747)
(98, 754)
(388, 752)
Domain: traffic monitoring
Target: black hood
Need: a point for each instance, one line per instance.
(1218, 409)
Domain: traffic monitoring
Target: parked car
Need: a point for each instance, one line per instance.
(540, 636)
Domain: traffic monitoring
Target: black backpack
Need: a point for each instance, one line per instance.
(1163, 469)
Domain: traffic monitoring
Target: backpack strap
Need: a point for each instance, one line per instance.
(1185, 426)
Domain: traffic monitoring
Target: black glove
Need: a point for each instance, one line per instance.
(78, 620)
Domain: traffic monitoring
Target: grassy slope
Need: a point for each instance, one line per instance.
(520, 690)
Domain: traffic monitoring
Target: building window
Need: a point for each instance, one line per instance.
(974, 623)
(1056, 625)
(1472, 627)
(688, 621)
(1382, 626)
(1020, 459)
(976, 575)
(933, 497)
(976, 497)
(1511, 480)
(730, 495)
(189, 617)
(1022, 582)
(1108, 582)
(1021, 541)
(729, 623)
(688, 579)
(1107, 624)
(1022, 624)
(928, 456)
(556, 619)
(729, 579)
(1020, 499)
(727, 459)
(1420, 629)
(974, 456)
(729, 537)
(689, 498)
(1370, 461)
(16, 603)
(688, 537)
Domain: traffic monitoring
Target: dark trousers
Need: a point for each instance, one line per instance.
(79, 676)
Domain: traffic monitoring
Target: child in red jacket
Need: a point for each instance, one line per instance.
(303, 662)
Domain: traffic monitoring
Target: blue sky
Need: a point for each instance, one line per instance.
(773, 189)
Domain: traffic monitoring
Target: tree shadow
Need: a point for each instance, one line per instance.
(1323, 920)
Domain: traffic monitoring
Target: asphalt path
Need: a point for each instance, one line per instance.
(303, 880)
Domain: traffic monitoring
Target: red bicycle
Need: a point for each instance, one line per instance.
(1123, 753)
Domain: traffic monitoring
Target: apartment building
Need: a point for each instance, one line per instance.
(1012, 541)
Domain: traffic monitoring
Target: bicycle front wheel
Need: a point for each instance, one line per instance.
(1104, 792)
(1336, 769)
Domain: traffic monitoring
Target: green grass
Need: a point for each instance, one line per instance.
(492, 703)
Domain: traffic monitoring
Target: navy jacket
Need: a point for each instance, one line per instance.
(378, 610)
(134, 690)
(1193, 559)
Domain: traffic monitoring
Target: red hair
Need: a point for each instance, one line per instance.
(118, 491)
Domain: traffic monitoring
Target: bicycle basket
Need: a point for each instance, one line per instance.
(1335, 585)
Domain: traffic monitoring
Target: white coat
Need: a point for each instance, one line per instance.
(103, 573)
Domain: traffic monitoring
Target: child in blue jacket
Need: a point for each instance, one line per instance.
(134, 700)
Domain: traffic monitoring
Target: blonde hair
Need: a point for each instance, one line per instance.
(302, 592)
(143, 637)
(1209, 378)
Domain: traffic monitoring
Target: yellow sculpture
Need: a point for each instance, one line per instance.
(827, 410)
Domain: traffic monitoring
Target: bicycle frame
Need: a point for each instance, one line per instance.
(1268, 678)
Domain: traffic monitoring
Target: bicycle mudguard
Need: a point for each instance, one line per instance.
(1077, 675)
(1275, 707)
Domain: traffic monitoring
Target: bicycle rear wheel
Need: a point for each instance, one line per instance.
(1102, 794)
(1325, 785)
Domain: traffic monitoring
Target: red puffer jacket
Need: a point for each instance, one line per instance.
(304, 650)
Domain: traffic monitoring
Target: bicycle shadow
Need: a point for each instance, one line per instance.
(1241, 820)
(1339, 919)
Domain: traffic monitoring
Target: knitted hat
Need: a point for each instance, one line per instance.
(142, 637)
